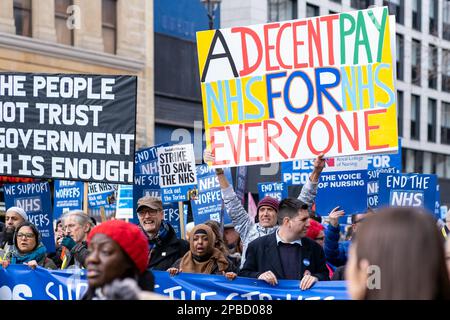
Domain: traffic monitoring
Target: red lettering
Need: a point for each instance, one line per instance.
(330, 136)
(279, 35)
(329, 20)
(268, 47)
(215, 146)
(369, 128)
(236, 151)
(271, 139)
(247, 69)
(297, 64)
(248, 141)
(354, 141)
(314, 34)
(298, 133)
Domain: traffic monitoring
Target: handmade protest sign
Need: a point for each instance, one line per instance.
(408, 190)
(35, 200)
(65, 126)
(124, 206)
(294, 89)
(381, 163)
(68, 195)
(208, 206)
(102, 194)
(177, 176)
(277, 190)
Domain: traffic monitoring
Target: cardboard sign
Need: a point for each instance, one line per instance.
(290, 90)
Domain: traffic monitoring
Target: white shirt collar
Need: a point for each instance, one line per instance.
(299, 241)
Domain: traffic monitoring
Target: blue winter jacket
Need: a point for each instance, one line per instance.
(336, 252)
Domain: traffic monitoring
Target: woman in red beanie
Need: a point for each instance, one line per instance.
(316, 233)
(117, 262)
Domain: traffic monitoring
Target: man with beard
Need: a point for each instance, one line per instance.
(13, 217)
(165, 247)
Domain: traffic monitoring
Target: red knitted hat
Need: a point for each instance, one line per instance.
(129, 237)
(314, 229)
(269, 201)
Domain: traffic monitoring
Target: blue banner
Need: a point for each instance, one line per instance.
(35, 200)
(241, 183)
(277, 190)
(146, 160)
(208, 206)
(148, 185)
(410, 190)
(19, 282)
(381, 163)
(68, 195)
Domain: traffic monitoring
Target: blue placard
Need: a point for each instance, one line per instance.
(208, 206)
(295, 173)
(241, 183)
(67, 196)
(148, 185)
(437, 203)
(19, 282)
(381, 163)
(347, 189)
(101, 195)
(35, 200)
(124, 206)
(410, 190)
(277, 190)
(146, 160)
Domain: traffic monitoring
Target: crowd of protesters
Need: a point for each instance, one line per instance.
(285, 241)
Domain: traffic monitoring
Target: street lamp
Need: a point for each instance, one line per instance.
(211, 6)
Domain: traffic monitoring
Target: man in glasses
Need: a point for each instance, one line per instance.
(165, 247)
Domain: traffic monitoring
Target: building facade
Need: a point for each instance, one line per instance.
(423, 70)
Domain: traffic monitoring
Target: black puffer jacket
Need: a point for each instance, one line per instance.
(166, 251)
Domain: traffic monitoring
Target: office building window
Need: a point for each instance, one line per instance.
(445, 70)
(446, 20)
(396, 8)
(312, 10)
(432, 66)
(400, 47)
(22, 17)
(416, 14)
(400, 112)
(64, 35)
(415, 63)
(361, 4)
(431, 120)
(433, 21)
(415, 117)
(109, 25)
(280, 10)
(418, 161)
(445, 123)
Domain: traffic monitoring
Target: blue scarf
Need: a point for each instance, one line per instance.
(37, 254)
(161, 236)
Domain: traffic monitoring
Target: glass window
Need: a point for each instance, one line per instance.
(418, 161)
(109, 25)
(445, 123)
(22, 17)
(312, 10)
(433, 20)
(399, 46)
(432, 66)
(396, 8)
(64, 35)
(415, 117)
(416, 14)
(281, 10)
(400, 112)
(415, 63)
(361, 4)
(431, 120)
(446, 20)
(445, 70)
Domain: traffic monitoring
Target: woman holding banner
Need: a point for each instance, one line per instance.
(203, 257)
(29, 249)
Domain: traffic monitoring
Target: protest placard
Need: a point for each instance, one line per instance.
(291, 90)
(102, 194)
(410, 190)
(277, 190)
(208, 206)
(241, 183)
(146, 160)
(125, 201)
(68, 126)
(35, 200)
(177, 174)
(68, 195)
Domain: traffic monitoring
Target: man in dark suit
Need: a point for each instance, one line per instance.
(287, 253)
